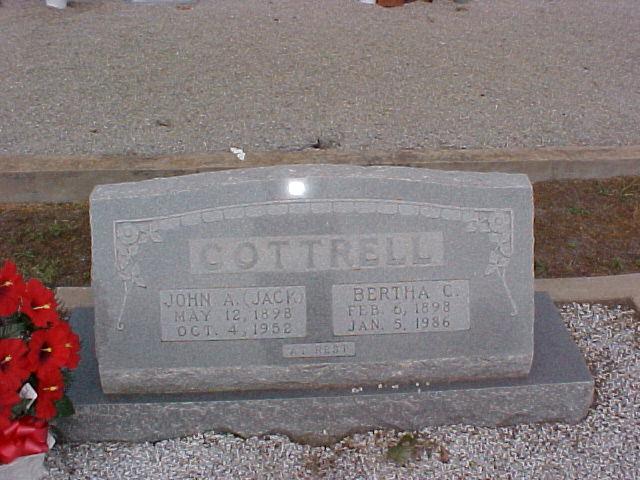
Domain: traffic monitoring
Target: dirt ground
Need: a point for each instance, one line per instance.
(587, 227)
(582, 228)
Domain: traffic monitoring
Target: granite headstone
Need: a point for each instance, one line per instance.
(309, 277)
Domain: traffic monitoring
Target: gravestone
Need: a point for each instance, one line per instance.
(308, 277)
(316, 301)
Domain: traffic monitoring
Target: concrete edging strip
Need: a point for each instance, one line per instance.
(579, 289)
(592, 289)
(51, 179)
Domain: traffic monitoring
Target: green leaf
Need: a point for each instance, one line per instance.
(67, 377)
(400, 453)
(405, 449)
(20, 408)
(64, 407)
(12, 330)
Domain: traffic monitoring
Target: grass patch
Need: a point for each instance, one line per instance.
(50, 242)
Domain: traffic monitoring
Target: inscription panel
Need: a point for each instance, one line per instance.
(400, 307)
(233, 313)
(325, 349)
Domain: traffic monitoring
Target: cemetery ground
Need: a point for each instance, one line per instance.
(603, 445)
(582, 228)
(507, 74)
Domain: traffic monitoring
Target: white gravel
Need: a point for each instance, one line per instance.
(604, 445)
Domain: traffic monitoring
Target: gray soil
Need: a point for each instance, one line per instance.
(105, 76)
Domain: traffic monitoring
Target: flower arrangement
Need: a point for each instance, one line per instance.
(37, 350)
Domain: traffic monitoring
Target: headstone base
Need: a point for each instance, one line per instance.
(559, 388)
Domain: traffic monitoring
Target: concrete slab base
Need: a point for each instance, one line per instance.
(559, 388)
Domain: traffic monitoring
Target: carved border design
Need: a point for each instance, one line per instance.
(129, 235)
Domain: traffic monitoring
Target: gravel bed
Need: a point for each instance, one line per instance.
(604, 445)
(112, 77)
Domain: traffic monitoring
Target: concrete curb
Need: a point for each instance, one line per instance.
(592, 289)
(52, 179)
(579, 289)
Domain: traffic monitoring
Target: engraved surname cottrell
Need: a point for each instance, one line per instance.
(315, 253)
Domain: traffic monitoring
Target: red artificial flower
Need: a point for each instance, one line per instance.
(11, 289)
(40, 304)
(48, 347)
(72, 345)
(15, 367)
(50, 389)
(9, 396)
